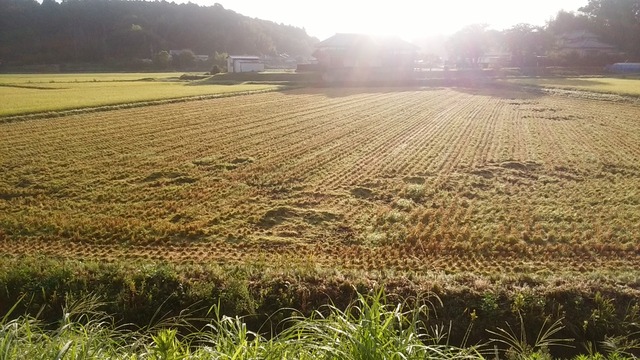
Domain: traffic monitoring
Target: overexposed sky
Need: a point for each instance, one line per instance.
(407, 18)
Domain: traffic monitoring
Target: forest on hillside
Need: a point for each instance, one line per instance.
(139, 35)
(125, 32)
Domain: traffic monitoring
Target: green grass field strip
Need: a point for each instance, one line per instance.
(37, 87)
(88, 77)
(355, 318)
(625, 87)
(24, 101)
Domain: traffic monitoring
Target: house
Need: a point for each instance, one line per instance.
(239, 64)
(357, 57)
(585, 44)
(495, 60)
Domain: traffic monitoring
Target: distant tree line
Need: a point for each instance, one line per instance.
(115, 31)
(615, 22)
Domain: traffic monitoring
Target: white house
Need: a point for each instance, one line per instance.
(244, 64)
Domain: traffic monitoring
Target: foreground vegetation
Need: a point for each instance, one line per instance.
(27, 94)
(211, 312)
(368, 329)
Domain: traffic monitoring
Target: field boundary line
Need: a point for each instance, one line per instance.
(29, 87)
(137, 104)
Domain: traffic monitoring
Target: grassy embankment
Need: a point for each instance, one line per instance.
(368, 329)
(178, 312)
(37, 93)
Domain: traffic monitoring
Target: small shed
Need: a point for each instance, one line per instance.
(237, 64)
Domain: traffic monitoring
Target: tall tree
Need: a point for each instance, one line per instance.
(525, 41)
(567, 22)
(117, 31)
(617, 21)
(470, 44)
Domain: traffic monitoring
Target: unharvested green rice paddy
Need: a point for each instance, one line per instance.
(608, 85)
(26, 94)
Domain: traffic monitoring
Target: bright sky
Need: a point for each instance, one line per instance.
(407, 18)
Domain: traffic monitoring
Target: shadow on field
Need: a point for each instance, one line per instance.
(344, 91)
(502, 91)
(573, 82)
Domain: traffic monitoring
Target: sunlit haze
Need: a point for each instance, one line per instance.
(407, 18)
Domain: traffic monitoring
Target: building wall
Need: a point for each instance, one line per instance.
(244, 65)
(380, 60)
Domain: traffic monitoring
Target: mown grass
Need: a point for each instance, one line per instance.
(25, 94)
(616, 86)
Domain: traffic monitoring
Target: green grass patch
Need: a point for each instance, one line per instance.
(27, 94)
(370, 328)
(601, 85)
(74, 309)
(83, 77)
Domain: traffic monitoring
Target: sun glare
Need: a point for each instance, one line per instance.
(405, 19)
(408, 19)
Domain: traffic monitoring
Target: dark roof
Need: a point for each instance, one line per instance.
(343, 41)
(588, 44)
(583, 40)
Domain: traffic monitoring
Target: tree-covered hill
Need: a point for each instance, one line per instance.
(100, 31)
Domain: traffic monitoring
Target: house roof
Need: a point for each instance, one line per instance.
(583, 40)
(577, 35)
(588, 44)
(358, 41)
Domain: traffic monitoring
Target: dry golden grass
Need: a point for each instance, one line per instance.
(400, 179)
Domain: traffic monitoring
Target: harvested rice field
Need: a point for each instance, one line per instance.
(411, 180)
